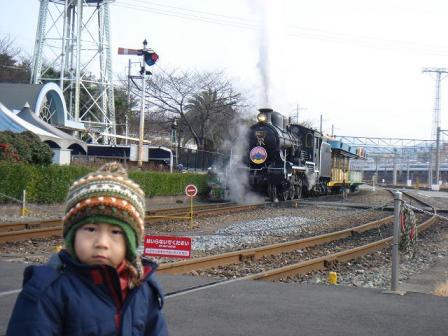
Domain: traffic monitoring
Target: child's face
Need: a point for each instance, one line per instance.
(100, 244)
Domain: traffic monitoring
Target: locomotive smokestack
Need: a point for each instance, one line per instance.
(265, 115)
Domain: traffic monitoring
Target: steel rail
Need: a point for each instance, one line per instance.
(17, 235)
(157, 212)
(22, 231)
(152, 213)
(343, 256)
(202, 212)
(235, 257)
(320, 263)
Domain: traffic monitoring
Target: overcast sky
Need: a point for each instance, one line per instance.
(357, 63)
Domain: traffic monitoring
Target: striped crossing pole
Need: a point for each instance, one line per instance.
(395, 253)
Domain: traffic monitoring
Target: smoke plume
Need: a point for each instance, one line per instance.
(271, 33)
(236, 174)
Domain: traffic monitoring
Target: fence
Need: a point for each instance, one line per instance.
(189, 159)
(197, 160)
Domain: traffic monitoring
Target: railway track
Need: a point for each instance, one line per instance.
(258, 252)
(12, 232)
(299, 268)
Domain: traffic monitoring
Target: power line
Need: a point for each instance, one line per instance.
(188, 10)
(293, 31)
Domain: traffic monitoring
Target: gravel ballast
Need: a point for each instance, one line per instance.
(243, 230)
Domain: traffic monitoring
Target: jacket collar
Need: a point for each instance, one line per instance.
(149, 267)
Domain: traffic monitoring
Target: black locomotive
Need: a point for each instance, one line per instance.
(286, 160)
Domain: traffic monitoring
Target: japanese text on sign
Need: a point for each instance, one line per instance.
(168, 246)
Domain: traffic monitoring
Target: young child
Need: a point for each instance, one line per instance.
(97, 285)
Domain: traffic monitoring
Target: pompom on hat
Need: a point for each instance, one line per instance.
(106, 196)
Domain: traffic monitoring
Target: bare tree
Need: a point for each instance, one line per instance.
(196, 99)
(14, 67)
(212, 112)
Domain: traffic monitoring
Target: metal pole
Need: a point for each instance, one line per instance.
(65, 32)
(24, 203)
(321, 123)
(437, 156)
(394, 172)
(430, 168)
(395, 255)
(407, 170)
(191, 212)
(142, 111)
(129, 102)
(297, 113)
(78, 59)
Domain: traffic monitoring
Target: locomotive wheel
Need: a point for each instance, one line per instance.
(291, 192)
(272, 193)
(283, 194)
(298, 190)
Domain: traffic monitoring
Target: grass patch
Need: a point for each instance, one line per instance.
(442, 289)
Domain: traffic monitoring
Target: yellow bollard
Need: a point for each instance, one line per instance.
(332, 278)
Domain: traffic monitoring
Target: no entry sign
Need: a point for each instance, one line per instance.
(168, 246)
(191, 190)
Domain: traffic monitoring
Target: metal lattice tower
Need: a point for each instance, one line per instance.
(436, 113)
(73, 38)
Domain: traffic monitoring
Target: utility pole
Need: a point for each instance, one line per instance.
(321, 124)
(436, 113)
(298, 109)
(394, 170)
(430, 168)
(407, 170)
(129, 102)
(437, 156)
(436, 118)
(142, 110)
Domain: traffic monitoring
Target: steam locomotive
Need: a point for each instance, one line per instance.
(288, 160)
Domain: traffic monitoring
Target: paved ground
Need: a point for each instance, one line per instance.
(264, 308)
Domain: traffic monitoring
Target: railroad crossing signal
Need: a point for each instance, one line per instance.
(149, 55)
(191, 190)
(149, 58)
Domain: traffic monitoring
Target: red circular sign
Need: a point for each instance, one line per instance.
(191, 190)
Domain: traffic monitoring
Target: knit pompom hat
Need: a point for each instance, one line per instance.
(106, 196)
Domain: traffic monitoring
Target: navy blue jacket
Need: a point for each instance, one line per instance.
(66, 300)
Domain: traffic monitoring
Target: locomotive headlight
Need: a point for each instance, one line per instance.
(261, 117)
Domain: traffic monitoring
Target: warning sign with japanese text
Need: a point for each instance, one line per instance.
(167, 246)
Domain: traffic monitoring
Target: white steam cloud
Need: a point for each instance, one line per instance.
(236, 175)
(271, 35)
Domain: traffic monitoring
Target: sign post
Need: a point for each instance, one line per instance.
(149, 58)
(191, 191)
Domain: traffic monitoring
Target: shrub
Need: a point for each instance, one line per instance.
(24, 147)
(41, 153)
(50, 184)
(167, 184)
